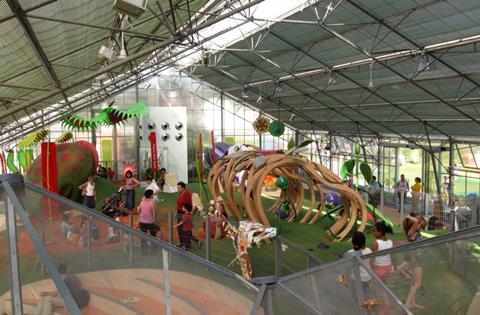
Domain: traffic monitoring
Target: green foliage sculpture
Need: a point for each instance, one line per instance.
(107, 117)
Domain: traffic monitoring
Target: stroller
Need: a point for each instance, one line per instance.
(112, 205)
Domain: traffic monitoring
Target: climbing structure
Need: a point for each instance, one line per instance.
(252, 168)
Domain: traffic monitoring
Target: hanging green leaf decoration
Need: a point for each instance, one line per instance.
(33, 138)
(108, 117)
(366, 171)
(358, 148)
(291, 144)
(347, 168)
(22, 159)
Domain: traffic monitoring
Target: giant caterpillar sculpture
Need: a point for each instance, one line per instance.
(256, 167)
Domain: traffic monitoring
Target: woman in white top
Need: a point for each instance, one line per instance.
(382, 265)
(89, 192)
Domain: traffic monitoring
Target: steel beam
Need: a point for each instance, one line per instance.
(35, 7)
(386, 66)
(27, 27)
(129, 59)
(143, 75)
(113, 29)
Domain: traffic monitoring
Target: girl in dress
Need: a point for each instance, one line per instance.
(130, 184)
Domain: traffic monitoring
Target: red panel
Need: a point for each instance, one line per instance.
(50, 179)
(153, 149)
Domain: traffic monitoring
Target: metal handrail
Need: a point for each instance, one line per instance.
(47, 260)
(160, 243)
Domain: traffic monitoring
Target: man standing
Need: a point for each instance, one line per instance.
(402, 188)
(374, 191)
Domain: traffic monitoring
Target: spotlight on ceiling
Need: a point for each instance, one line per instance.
(179, 125)
(259, 99)
(423, 64)
(292, 117)
(370, 84)
(147, 86)
(278, 88)
(123, 53)
(105, 53)
(244, 93)
(133, 8)
(328, 147)
(179, 136)
(205, 58)
(165, 125)
(332, 77)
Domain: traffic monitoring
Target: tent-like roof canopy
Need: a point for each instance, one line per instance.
(49, 51)
(372, 67)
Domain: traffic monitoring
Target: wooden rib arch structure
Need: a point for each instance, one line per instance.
(252, 168)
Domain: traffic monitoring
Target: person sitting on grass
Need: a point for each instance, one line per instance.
(50, 300)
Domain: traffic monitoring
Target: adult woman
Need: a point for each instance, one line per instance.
(416, 194)
(146, 209)
(412, 225)
(89, 192)
(130, 184)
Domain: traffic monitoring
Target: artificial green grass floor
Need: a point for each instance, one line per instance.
(305, 235)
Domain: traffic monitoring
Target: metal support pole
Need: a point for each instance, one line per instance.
(278, 257)
(382, 198)
(402, 206)
(89, 243)
(397, 170)
(208, 238)
(330, 157)
(451, 179)
(130, 240)
(93, 131)
(258, 300)
(136, 135)
(379, 162)
(170, 227)
(115, 150)
(15, 283)
(298, 138)
(166, 282)
(222, 110)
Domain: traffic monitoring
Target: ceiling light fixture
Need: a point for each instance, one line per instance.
(147, 86)
(423, 64)
(244, 93)
(123, 52)
(370, 84)
(292, 117)
(332, 77)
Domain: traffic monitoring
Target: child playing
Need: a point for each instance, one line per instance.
(187, 227)
(412, 225)
(89, 192)
(382, 265)
(358, 242)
